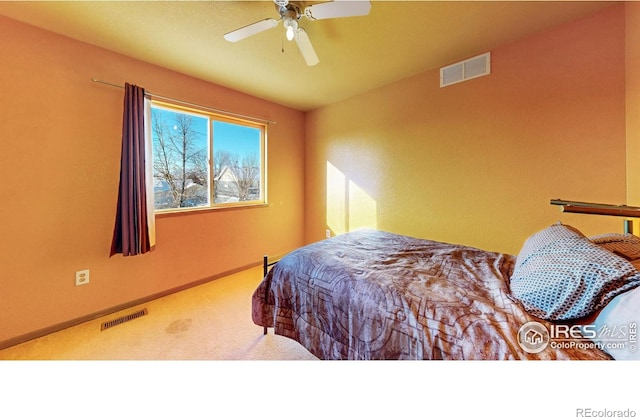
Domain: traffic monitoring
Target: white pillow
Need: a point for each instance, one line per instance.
(618, 322)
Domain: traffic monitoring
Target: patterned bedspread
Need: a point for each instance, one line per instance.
(376, 295)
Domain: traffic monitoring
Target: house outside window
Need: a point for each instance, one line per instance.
(203, 160)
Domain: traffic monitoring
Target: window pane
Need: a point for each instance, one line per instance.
(237, 163)
(180, 159)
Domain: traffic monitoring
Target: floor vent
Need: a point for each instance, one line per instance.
(466, 70)
(109, 324)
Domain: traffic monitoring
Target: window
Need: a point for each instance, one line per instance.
(203, 160)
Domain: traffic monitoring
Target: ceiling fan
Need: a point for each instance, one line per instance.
(290, 14)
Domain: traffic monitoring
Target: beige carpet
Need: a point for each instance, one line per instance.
(196, 353)
(208, 322)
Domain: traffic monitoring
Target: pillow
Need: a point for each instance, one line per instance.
(626, 245)
(561, 275)
(616, 326)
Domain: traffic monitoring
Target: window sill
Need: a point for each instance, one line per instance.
(201, 210)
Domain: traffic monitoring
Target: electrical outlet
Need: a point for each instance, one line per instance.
(328, 233)
(82, 277)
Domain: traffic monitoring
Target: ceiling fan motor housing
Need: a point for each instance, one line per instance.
(289, 10)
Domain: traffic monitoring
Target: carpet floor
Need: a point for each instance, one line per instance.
(208, 322)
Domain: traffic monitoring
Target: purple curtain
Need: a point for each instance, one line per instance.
(131, 231)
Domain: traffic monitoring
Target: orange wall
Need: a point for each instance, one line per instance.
(477, 162)
(632, 54)
(59, 167)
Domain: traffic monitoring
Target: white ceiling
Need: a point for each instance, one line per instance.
(396, 40)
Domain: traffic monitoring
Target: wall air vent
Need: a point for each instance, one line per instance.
(466, 70)
(109, 324)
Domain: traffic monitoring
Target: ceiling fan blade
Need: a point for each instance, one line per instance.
(338, 8)
(306, 49)
(250, 30)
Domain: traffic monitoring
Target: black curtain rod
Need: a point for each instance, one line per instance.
(95, 80)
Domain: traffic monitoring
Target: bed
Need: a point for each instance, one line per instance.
(372, 294)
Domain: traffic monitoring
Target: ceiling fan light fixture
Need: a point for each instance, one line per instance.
(290, 26)
(290, 13)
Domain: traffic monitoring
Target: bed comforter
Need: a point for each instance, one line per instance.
(377, 295)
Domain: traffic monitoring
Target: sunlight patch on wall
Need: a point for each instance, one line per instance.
(363, 212)
(349, 207)
(336, 200)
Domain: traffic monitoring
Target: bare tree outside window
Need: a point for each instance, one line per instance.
(180, 160)
(183, 175)
(236, 178)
